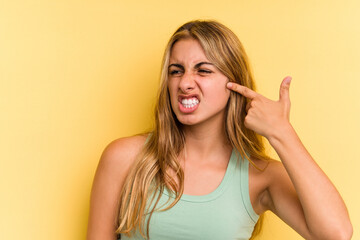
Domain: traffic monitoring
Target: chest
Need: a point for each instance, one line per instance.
(225, 212)
(201, 179)
(210, 217)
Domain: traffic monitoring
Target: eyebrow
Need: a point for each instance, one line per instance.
(198, 65)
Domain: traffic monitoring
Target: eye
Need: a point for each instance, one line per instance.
(204, 71)
(175, 72)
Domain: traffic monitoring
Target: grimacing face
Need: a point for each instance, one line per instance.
(197, 88)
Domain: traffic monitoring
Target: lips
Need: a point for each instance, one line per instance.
(188, 103)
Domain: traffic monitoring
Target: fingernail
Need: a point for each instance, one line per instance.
(229, 84)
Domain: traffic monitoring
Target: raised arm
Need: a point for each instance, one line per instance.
(114, 164)
(300, 192)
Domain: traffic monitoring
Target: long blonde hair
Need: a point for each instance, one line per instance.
(150, 173)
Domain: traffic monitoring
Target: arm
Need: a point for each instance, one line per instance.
(299, 191)
(111, 172)
(306, 199)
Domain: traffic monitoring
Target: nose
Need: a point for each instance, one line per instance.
(187, 82)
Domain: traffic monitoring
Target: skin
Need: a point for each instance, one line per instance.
(315, 211)
(190, 72)
(207, 150)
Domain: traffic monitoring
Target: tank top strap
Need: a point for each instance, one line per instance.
(244, 186)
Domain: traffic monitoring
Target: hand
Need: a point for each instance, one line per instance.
(265, 116)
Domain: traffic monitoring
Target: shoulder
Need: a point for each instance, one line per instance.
(270, 171)
(272, 185)
(124, 147)
(115, 162)
(121, 153)
(275, 174)
(264, 177)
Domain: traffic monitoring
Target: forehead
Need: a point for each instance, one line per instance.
(187, 51)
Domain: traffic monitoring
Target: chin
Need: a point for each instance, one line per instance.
(187, 120)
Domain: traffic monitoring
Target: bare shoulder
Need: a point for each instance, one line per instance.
(269, 171)
(275, 173)
(115, 162)
(279, 184)
(268, 184)
(123, 151)
(263, 175)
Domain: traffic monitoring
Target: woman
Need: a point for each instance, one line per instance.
(202, 173)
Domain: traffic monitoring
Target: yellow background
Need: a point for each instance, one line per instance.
(76, 75)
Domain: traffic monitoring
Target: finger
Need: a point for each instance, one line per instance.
(248, 106)
(284, 89)
(246, 92)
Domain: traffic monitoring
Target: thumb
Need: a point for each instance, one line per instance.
(284, 89)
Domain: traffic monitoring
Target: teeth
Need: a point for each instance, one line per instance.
(189, 103)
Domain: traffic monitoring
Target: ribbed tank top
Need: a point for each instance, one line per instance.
(226, 213)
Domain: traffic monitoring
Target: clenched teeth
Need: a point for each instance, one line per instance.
(189, 103)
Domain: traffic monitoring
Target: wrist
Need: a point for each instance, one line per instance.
(280, 133)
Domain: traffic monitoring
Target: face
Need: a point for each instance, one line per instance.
(197, 88)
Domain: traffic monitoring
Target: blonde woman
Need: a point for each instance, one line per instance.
(202, 172)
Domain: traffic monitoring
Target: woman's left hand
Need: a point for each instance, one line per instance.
(264, 116)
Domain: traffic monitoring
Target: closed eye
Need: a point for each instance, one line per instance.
(203, 71)
(175, 72)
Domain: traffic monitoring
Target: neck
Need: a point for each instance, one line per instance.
(205, 139)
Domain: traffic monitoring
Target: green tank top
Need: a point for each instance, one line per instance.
(226, 213)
